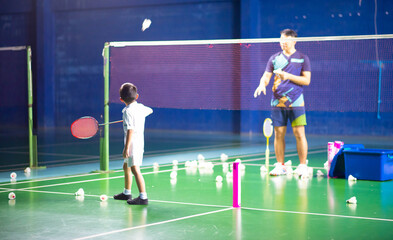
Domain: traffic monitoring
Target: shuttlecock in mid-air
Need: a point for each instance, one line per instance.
(27, 170)
(146, 24)
(13, 175)
(352, 200)
(11, 196)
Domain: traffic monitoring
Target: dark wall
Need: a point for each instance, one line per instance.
(68, 37)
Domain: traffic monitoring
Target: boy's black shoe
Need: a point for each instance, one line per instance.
(122, 196)
(138, 201)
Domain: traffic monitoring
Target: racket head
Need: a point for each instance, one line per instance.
(84, 127)
(268, 128)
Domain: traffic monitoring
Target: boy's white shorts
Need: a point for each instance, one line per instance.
(134, 160)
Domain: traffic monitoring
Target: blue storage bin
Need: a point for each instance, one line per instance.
(369, 164)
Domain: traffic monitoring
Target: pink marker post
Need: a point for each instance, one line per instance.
(236, 185)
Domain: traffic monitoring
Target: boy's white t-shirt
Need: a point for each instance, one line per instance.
(134, 118)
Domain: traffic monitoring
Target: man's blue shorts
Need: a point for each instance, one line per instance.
(296, 116)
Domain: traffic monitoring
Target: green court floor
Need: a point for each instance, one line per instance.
(195, 206)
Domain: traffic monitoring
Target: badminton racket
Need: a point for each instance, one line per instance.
(87, 127)
(267, 131)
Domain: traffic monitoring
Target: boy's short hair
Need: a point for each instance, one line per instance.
(289, 33)
(128, 92)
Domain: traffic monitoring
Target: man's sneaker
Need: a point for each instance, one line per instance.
(278, 170)
(138, 201)
(122, 196)
(302, 169)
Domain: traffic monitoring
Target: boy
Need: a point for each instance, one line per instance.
(292, 71)
(134, 115)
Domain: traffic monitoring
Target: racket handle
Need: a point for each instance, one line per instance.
(267, 153)
(102, 124)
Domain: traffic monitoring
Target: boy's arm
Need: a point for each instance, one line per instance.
(304, 79)
(265, 79)
(127, 145)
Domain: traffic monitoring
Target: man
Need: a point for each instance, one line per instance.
(292, 71)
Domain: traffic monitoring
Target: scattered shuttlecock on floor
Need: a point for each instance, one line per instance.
(304, 177)
(175, 162)
(209, 165)
(11, 196)
(238, 160)
(229, 175)
(326, 165)
(352, 178)
(242, 166)
(155, 165)
(187, 164)
(146, 24)
(80, 192)
(224, 157)
(200, 157)
(288, 163)
(13, 175)
(320, 173)
(218, 178)
(352, 200)
(27, 170)
(263, 168)
(103, 198)
(173, 174)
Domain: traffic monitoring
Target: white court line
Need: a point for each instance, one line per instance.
(320, 214)
(223, 206)
(153, 224)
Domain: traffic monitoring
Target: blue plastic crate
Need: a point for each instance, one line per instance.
(369, 164)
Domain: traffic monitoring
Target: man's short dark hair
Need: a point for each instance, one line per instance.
(289, 32)
(128, 92)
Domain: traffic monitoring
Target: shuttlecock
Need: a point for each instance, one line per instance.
(326, 165)
(306, 161)
(320, 173)
(218, 178)
(352, 178)
(238, 160)
(304, 177)
(11, 196)
(175, 162)
(146, 24)
(103, 198)
(242, 166)
(225, 165)
(263, 168)
(288, 163)
(209, 165)
(229, 175)
(27, 170)
(155, 165)
(224, 157)
(200, 157)
(80, 192)
(13, 175)
(187, 164)
(173, 174)
(352, 200)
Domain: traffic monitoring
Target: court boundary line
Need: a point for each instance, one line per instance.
(222, 206)
(153, 224)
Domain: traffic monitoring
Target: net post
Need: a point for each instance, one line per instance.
(104, 145)
(236, 186)
(33, 163)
